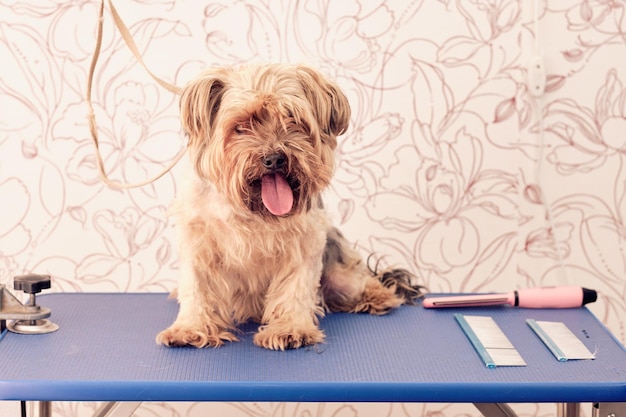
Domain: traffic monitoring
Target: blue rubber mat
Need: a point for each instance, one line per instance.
(105, 350)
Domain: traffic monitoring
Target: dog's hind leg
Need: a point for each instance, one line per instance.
(348, 284)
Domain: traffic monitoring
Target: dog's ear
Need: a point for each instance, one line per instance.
(330, 105)
(200, 101)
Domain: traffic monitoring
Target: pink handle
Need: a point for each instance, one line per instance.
(551, 297)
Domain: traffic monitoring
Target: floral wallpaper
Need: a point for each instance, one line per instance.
(455, 166)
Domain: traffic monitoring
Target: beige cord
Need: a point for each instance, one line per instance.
(91, 115)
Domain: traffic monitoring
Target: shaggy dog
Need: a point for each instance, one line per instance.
(255, 240)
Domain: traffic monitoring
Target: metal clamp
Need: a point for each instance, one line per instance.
(27, 318)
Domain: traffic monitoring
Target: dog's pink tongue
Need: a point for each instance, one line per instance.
(276, 194)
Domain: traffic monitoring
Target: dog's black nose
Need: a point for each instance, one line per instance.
(274, 161)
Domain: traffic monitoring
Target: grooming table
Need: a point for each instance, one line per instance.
(104, 350)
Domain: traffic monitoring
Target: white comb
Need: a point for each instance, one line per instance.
(563, 344)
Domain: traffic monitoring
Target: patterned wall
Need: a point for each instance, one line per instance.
(450, 168)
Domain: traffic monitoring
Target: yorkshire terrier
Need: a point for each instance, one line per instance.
(255, 242)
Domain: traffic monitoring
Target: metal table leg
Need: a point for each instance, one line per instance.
(45, 409)
(117, 409)
(38, 408)
(109, 409)
(568, 410)
(503, 410)
(495, 410)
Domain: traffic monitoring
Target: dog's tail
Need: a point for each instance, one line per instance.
(401, 281)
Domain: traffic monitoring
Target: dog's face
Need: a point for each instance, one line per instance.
(265, 135)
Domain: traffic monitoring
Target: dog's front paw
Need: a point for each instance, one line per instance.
(177, 335)
(281, 337)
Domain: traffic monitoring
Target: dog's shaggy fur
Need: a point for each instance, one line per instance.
(255, 240)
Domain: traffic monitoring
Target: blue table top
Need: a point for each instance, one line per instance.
(105, 351)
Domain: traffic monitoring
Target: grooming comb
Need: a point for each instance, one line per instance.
(563, 344)
(491, 344)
